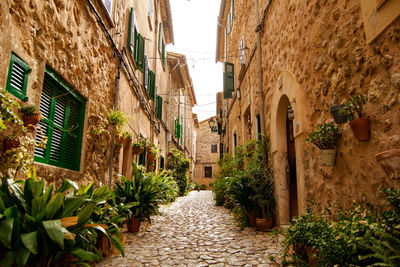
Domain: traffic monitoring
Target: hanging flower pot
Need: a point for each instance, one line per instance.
(30, 122)
(328, 156)
(11, 142)
(390, 162)
(137, 150)
(133, 225)
(337, 116)
(151, 157)
(360, 128)
(121, 140)
(150, 168)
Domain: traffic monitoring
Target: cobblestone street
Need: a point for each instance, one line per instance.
(194, 232)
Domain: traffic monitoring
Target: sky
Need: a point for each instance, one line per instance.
(195, 34)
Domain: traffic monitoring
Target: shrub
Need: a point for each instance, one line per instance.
(166, 187)
(29, 110)
(178, 167)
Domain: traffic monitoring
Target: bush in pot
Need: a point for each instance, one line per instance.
(31, 116)
(359, 126)
(325, 138)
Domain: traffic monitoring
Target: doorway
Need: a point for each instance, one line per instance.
(291, 167)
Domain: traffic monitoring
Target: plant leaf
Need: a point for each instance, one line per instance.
(118, 244)
(6, 228)
(54, 205)
(22, 256)
(67, 184)
(85, 214)
(71, 206)
(69, 221)
(38, 205)
(30, 241)
(8, 259)
(85, 255)
(55, 231)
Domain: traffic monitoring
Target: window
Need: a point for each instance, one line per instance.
(241, 48)
(159, 102)
(178, 129)
(229, 80)
(146, 74)
(231, 16)
(17, 79)
(161, 45)
(108, 5)
(150, 14)
(208, 172)
(132, 32)
(62, 123)
(139, 52)
(234, 140)
(142, 157)
(258, 126)
(151, 87)
(214, 148)
(162, 162)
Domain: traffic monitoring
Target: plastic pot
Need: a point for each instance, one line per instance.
(360, 128)
(390, 162)
(328, 156)
(338, 118)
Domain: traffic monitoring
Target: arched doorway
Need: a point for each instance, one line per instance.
(291, 166)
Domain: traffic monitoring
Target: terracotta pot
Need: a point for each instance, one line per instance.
(115, 251)
(360, 128)
(151, 157)
(263, 224)
(122, 140)
(11, 143)
(252, 219)
(339, 118)
(30, 122)
(328, 156)
(103, 244)
(133, 225)
(312, 255)
(137, 150)
(390, 162)
(150, 168)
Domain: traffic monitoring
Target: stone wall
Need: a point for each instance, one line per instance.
(315, 55)
(204, 156)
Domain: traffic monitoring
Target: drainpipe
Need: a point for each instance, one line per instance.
(110, 166)
(260, 72)
(169, 107)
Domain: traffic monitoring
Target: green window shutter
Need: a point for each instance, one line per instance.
(139, 52)
(177, 128)
(17, 79)
(152, 79)
(142, 158)
(163, 53)
(146, 74)
(159, 107)
(132, 32)
(229, 80)
(62, 123)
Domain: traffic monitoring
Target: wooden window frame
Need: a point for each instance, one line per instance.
(208, 171)
(15, 60)
(60, 88)
(214, 148)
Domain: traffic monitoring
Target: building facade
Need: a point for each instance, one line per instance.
(305, 57)
(207, 154)
(78, 60)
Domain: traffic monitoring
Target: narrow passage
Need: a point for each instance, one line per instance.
(194, 232)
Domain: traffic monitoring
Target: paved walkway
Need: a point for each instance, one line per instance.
(194, 232)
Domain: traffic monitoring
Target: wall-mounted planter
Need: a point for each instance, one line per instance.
(11, 143)
(137, 150)
(360, 128)
(30, 122)
(328, 156)
(390, 162)
(339, 118)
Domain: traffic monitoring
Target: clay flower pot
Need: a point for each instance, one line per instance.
(150, 168)
(338, 118)
(30, 122)
(252, 219)
(390, 162)
(133, 225)
(360, 128)
(136, 150)
(263, 224)
(122, 140)
(151, 157)
(10, 143)
(328, 156)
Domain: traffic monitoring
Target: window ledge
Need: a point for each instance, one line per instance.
(50, 172)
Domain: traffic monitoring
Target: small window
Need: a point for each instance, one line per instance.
(62, 124)
(17, 77)
(161, 45)
(234, 140)
(208, 172)
(162, 162)
(258, 126)
(150, 14)
(132, 31)
(214, 148)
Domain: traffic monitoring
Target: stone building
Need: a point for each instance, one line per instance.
(306, 56)
(207, 154)
(76, 61)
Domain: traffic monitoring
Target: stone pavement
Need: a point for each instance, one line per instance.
(194, 232)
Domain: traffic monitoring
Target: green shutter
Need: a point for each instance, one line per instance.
(17, 79)
(132, 31)
(139, 52)
(159, 107)
(163, 53)
(160, 38)
(62, 123)
(229, 80)
(152, 84)
(146, 75)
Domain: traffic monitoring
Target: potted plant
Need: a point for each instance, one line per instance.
(116, 118)
(30, 117)
(338, 117)
(359, 126)
(128, 136)
(138, 147)
(390, 162)
(325, 138)
(11, 142)
(140, 198)
(152, 152)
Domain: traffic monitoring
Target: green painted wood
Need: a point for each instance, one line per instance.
(17, 79)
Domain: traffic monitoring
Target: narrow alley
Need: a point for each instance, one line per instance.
(192, 231)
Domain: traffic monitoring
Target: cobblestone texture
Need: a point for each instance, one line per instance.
(194, 232)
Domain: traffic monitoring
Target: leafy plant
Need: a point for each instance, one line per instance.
(116, 118)
(178, 167)
(166, 187)
(29, 110)
(325, 137)
(127, 134)
(7, 113)
(138, 195)
(355, 105)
